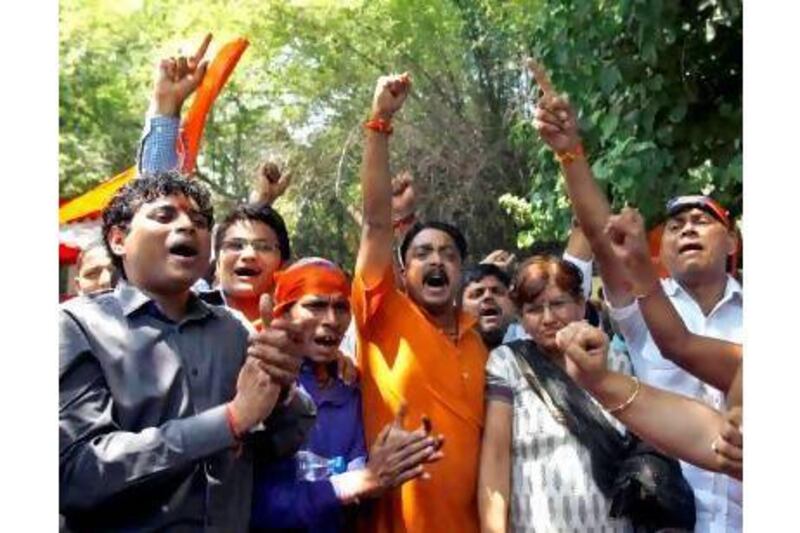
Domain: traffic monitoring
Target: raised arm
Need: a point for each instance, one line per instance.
(176, 79)
(557, 126)
(375, 252)
(711, 360)
(679, 426)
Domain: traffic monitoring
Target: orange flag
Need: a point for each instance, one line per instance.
(216, 76)
(89, 203)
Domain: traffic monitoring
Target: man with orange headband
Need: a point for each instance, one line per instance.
(697, 243)
(311, 490)
(416, 347)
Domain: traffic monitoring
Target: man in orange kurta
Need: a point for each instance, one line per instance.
(416, 347)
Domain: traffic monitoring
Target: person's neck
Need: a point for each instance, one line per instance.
(247, 306)
(322, 372)
(173, 305)
(706, 292)
(493, 339)
(445, 319)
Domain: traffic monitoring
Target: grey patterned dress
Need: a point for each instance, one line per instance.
(552, 488)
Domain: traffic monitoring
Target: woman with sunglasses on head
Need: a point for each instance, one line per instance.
(551, 455)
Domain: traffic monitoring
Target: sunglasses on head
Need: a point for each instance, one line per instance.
(679, 203)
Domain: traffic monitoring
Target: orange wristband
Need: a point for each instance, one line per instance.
(568, 156)
(380, 125)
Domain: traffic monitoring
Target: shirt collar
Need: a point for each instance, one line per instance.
(337, 393)
(466, 321)
(132, 299)
(732, 289)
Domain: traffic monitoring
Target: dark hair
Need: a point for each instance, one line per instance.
(535, 272)
(257, 212)
(454, 232)
(477, 272)
(144, 189)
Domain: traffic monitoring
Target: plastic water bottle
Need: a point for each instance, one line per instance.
(313, 467)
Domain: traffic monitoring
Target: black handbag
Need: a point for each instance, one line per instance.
(642, 484)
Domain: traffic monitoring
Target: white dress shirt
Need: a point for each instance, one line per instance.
(718, 497)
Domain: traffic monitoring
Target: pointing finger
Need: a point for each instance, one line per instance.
(541, 77)
(202, 50)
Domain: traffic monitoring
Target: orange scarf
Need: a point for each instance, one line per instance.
(309, 276)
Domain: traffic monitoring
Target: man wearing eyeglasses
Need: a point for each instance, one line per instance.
(250, 245)
(696, 247)
(252, 242)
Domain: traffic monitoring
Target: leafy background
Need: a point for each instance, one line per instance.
(658, 86)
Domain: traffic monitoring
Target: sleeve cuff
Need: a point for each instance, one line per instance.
(367, 298)
(586, 271)
(499, 393)
(619, 314)
(169, 121)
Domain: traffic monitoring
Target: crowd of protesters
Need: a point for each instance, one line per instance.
(209, 380)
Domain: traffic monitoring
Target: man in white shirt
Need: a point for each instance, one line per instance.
(696, 246)
(710, 303)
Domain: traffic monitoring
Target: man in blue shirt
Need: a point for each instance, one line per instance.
(313, 490)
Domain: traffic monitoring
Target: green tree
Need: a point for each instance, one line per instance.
(658, 86)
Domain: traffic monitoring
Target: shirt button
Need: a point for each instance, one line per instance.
(194, 372)
(465, 374)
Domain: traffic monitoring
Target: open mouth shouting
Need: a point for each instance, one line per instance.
(247, 273)
(323, 346)
(436, 282)
(690, 247)
(490, 315)
(327, 340)
(184, 252)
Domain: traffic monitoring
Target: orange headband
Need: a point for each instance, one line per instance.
(316, 276)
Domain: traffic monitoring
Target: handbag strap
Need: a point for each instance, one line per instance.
(533, 380)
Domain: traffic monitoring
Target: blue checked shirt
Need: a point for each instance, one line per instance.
(157, 150)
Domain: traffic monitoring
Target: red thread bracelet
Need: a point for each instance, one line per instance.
(380, 125)
(404, 221)
(568, 156)
(231, 418)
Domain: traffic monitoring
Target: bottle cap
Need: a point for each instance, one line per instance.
(337, 465)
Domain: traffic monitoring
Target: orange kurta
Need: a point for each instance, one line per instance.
(403, 356)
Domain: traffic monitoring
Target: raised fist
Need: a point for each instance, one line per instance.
(628, 239)
(586, 349)
(404, 197)
(270, 183)
(390, 93)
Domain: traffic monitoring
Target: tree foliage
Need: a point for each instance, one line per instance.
(658, 86)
